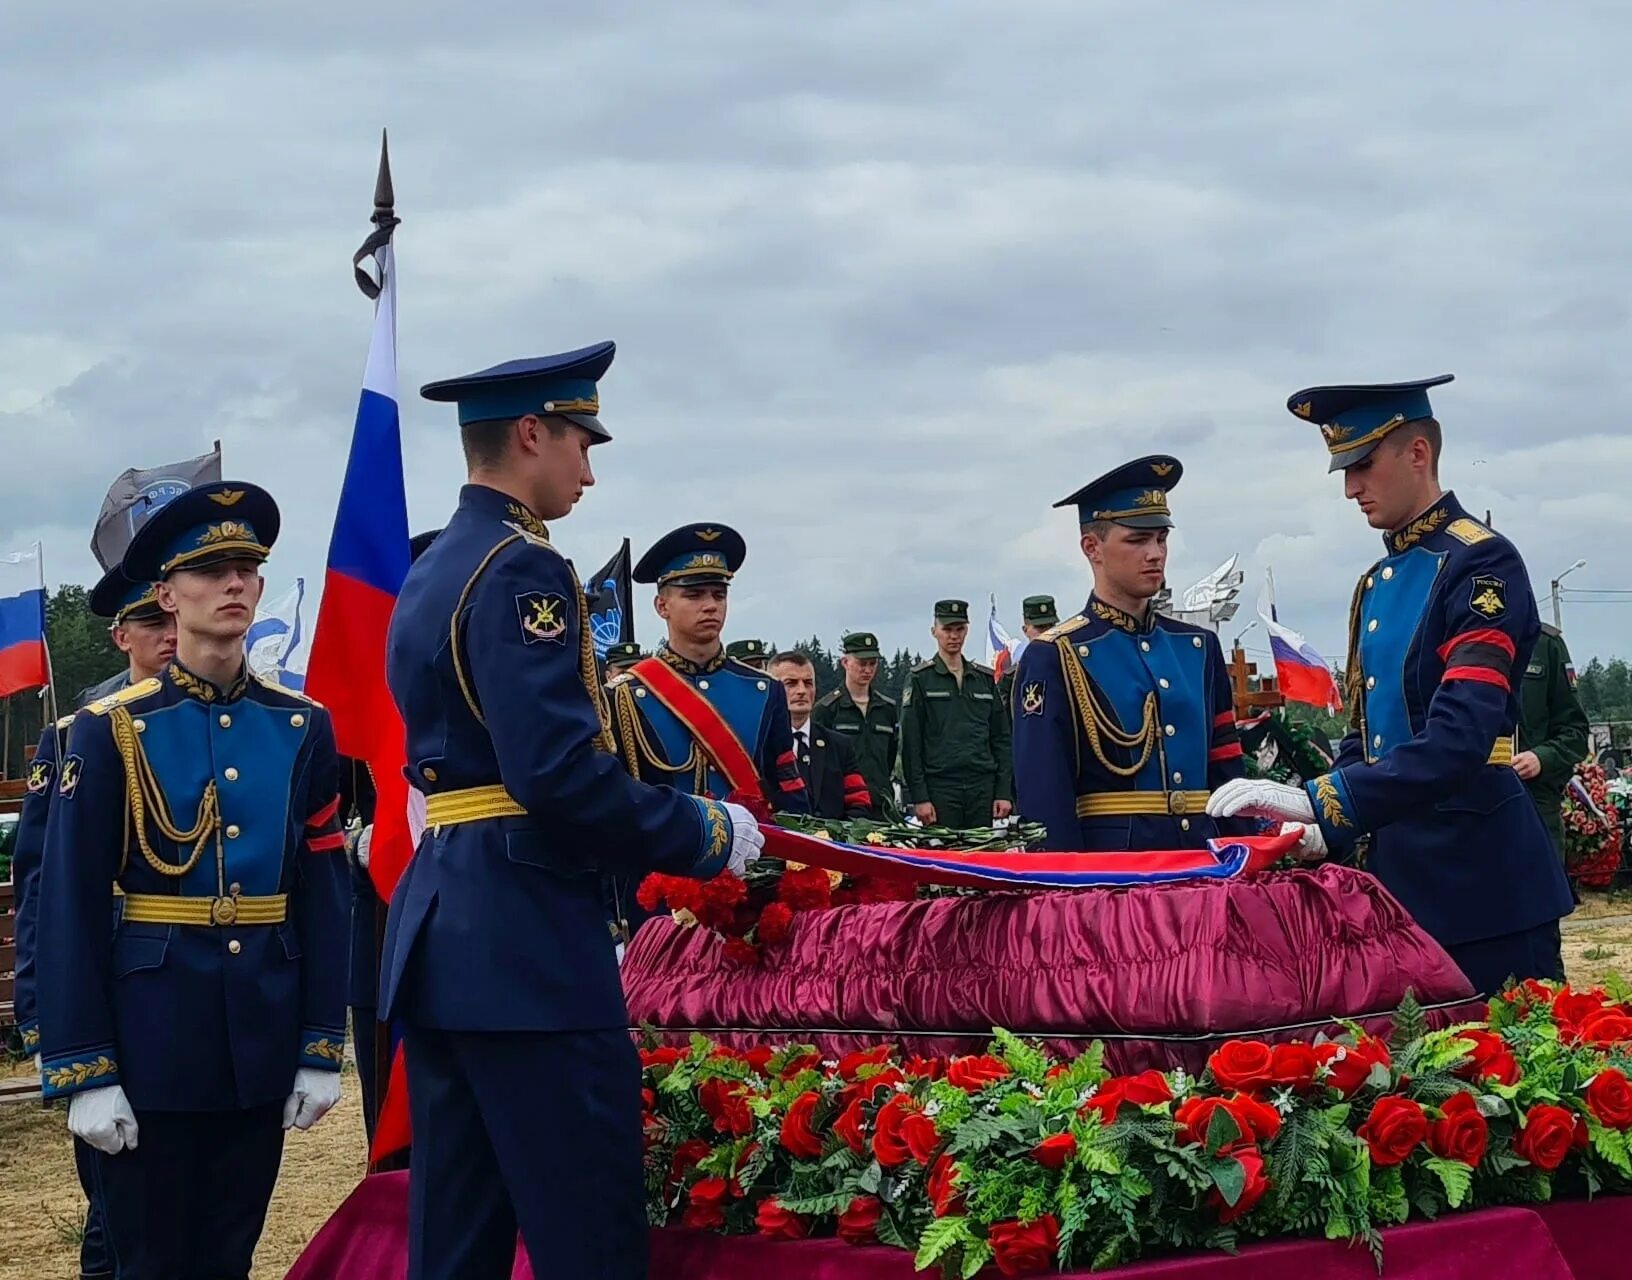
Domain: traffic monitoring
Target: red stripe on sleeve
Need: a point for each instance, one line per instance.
(1231, 752)
(324, 814)
(1482, 675)
(786, 760)
(792, 784)
(326, 844)
(1490, 636)
(1223, 718)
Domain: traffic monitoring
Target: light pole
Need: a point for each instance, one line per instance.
(1558, 609)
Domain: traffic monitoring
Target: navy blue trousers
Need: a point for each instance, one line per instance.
(1530, 953)
(190, 1201)
(95, 1261)
(525, 1129)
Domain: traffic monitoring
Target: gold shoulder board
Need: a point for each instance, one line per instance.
(1074, 623)
(1468, 531)
(140, 689)
(284, 689)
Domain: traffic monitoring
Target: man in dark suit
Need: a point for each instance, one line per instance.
(827, 761)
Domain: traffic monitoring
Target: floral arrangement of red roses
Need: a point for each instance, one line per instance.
(1013, 1159)
(1592, 843)
(756, 911)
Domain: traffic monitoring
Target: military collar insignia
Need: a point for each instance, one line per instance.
(1419, 528)
(685, 666)
(1117, 617)
(202, 690)
(526, 521)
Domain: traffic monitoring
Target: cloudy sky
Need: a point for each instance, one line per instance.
(886, 279)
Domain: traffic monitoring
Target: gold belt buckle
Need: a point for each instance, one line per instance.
(224, 911)
(1179, 803)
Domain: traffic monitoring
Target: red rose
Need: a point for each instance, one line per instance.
(660, 1057)
(1582, 1138)
(1606, 1029)
(1547, 1136)
(726, 1105)
(741, 951)
(1256, 1118)
(1242, 1064)
(859, 1223)
(1572, 1008)
(706, 1208)
(797, 1134)
(850, 1065)
(686, 1157)
(1293, 1065)
(1057, 1070)
(1609, 1098)
(850, 1126)
(868, 1089)
(1053, 1152)
(774, 923)
(1491, 1059)
(942, 1188)
(759, 1057)
(926, 1068)
(889, 1142)
(1252, 1165)
(1145, 1089)
(777, 1223)
(1193, 1118)
(921, 1136)
(975, 1073)
(1025, 1248)
(648, 1100)
(1461, 1134)
(1395, 1128)
(803, 1062)
(1349, 1066)
(1530, 992)
(1256, 1121)
(806, 889)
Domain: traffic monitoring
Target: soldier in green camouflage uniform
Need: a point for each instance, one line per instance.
(956, 760)
(864, 715)
(1037, 615)
(1553, 731)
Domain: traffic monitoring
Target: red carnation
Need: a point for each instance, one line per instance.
(1025, 1248)
(726, 1105)
(778, 1223)
(774, 923)
(1293, 1065)
(921, 1137)
(1609, 1098)
(942, 1188)
(1461, 1133)
(1242, 1064)
(705, 1210)
(1252, 1165)
(973, 1074)
(859, 1223)
(797, 1134)
(889, 1142)
(851, 1064)
(1547, 1137)
(807, 889)
(1054, 1152)
(742, 952)
(1395, 1128)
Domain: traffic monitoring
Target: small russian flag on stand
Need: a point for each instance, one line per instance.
(23, 661)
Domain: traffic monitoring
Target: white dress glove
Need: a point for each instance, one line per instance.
(314, 1093)
(746, 840)
(103, 1118)
(1261, 798)
(364, 840)
(1312, 846)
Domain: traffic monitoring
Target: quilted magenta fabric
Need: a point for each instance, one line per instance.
(1162, 974)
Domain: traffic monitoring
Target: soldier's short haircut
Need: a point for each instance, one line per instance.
(1101, 529)
(1422, 429)
(485, 443)
(794, 656)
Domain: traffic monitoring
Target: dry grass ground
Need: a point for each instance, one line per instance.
(40, 1204)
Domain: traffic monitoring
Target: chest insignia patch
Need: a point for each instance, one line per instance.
(1489, 596)
(543, 617)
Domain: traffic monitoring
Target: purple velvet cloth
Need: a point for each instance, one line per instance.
(1163, 973)
(366, 1239)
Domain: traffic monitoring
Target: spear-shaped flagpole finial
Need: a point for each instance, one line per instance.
(385, 221)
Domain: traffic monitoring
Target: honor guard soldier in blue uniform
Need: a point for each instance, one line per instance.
(146, 634)
(523, 1085)
(1123, 719)
(211, 1016)
(1439, 631)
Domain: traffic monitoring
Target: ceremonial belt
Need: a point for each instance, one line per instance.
(704, 722)
(472, 804)
(1108, 803)
(1502, 752)
(164, 908)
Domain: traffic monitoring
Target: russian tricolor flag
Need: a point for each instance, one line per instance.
(23, 662)
(1301, 672)
(368, 560)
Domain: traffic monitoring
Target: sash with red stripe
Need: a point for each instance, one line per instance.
(704, 722)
